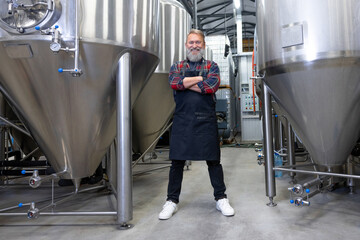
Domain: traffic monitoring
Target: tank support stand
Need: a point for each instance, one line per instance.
(123, 148)
(268, 146)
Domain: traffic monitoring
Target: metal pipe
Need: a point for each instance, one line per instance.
(19, 172)
(61, 196)
(149, 170)
(317, 173)
(53, 204)
(63, 214)
(52, 191)
(152, 144)
(296, 154)
(291, 149)
(14, 126)
(268, 146)
(54, 175)
(13, 207)
(299, 165)
(31, 153)
(76, 57)
(123, 147)
(311, 194)
(350, 170)
(281, 140)
(2, 129)
(24, 164)
(195, 15)
(276, 132)
(313, 182)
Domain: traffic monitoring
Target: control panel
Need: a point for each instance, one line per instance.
(247, 103)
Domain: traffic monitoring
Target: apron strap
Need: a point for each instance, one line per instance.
(185, 63)
(202, 67)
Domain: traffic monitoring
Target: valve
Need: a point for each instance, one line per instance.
(299, 202)
(297, 189)
(33, 211)
(260, 159)
(55, 45)
(35, 179)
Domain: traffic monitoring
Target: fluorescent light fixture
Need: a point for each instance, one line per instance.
(237, 4)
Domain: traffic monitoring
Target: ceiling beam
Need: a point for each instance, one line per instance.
(215, 5)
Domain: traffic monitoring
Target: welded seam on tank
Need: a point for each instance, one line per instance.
(299, 62)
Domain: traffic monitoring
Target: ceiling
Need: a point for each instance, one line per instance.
(216, 17)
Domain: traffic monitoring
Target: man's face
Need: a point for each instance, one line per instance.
(195, 47)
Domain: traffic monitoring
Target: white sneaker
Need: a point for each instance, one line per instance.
(169, 209)
(224, 207)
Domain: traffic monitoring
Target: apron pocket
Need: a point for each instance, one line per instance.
(205, 122)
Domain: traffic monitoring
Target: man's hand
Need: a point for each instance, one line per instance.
(191, 81)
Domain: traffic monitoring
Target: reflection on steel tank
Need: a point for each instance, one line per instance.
(58, 61)
(309, 53)
(155, 105)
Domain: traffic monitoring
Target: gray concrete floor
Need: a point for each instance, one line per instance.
(332, 215)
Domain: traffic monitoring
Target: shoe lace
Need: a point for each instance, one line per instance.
(223, 202)
(168, 204)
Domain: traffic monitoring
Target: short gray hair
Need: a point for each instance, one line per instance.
(196, 31)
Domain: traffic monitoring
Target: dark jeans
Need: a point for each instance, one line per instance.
(176, 175)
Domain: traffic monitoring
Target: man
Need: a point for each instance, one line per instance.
(194, 134)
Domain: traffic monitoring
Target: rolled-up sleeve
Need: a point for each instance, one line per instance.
(175, 78)
(211, 84)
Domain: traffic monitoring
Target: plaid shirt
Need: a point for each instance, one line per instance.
(208, 86)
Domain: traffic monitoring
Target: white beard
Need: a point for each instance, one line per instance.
(194, 57)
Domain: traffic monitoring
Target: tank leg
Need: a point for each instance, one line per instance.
(271, 202)
(123, 134)
(276, 132)
(281, 133)
(268, 146)
(350, 170)
(2, 129)
(291, 151)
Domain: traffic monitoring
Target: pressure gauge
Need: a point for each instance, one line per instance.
(55, 47)
(21, 16)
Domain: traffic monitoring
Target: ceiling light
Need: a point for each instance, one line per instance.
(237, 4)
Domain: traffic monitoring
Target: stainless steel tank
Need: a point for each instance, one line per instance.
(155, 105)
(309, 52)
(58, 61)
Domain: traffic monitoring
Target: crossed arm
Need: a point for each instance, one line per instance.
(191, 83)
(203, 85)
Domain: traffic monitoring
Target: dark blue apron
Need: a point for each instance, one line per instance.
(194, 134)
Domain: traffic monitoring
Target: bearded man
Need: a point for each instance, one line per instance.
(194, 134)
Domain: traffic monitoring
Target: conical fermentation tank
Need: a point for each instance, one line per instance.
(58, 63)
(309, 54)
(155, 105)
